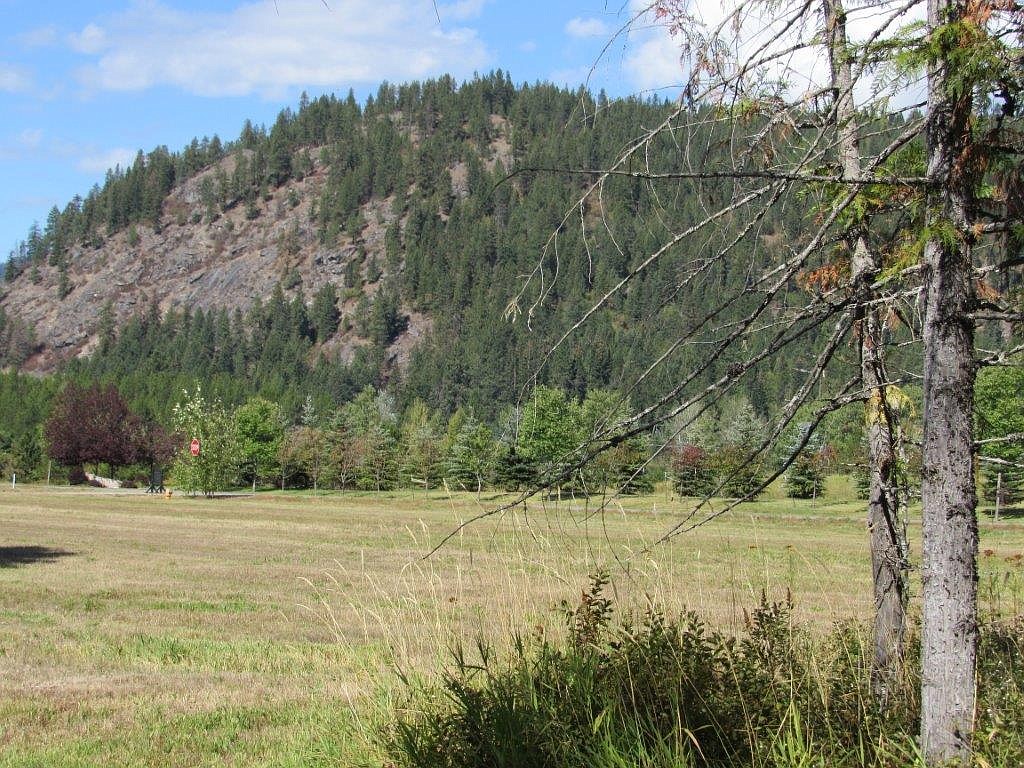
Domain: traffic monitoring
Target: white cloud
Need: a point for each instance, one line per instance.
(653, 57)
(266, 47)
(14, 79)
(652, 61)
(40, 37)
(92, 39)
(22, 145)
(528, 46)
(100, 161)
(579, 27)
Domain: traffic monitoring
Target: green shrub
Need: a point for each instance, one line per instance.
(1001, 691)
(662, 693)
(651, 692)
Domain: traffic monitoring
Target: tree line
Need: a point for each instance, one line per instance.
(366, 444)
(369, 444)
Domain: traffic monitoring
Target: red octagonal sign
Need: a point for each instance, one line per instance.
(194, 446)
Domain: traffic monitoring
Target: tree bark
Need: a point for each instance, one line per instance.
(886, 508)
(949, 631)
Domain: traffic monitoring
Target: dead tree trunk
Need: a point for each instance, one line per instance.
(949, 632)
(886, 521)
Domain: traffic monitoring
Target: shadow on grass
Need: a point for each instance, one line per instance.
(1006, 513)
(217, 496)
(12, 557)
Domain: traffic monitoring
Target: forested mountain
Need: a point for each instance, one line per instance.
(380, 243)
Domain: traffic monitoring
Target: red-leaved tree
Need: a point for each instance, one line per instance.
(93, 425)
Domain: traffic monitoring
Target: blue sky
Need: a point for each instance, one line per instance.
(84, 85)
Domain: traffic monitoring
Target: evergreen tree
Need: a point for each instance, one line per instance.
(805, 478)
(305, 452)
(693, 471)
(738, 475)
(324, 315)
(472, 456)
(379, 461)
(421, 447)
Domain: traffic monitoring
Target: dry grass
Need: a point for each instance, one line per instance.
(256, 630)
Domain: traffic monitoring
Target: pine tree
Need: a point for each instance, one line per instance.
(804, 478)
(324, 314)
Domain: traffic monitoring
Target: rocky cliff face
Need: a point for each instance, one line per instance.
(191, 262)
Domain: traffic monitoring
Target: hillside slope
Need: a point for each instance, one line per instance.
(214, 259)
(191, 263)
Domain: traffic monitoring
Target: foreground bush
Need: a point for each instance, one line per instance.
(659, 693)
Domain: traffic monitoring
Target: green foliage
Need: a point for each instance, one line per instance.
(304, 456)
(717, 458)
(324, 314)
(213, 469)
(472, 455)
(740, 473)
(664, 693)
(384, 319)
(64, 284)
(379, 460)
(693, 471)
(998, 398)
(373, 425)
(259, 430)
(622, 462)
(25, 402)
(862, 480)
(17, 341)
(449, 261)
(454, 258)
(550, 429)
(23, 455)
(656, 693)
(805, 478)
(421, 447)
(513, 472)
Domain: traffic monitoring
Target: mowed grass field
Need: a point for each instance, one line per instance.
(267, 629)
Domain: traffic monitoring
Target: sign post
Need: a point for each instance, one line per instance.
(194, 446)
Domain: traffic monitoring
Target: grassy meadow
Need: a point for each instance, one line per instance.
(270, 629)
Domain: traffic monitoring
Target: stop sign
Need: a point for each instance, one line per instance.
(194, 446)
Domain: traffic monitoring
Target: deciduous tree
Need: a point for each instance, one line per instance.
(259, 430)
(196, 418)
(92, 425)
